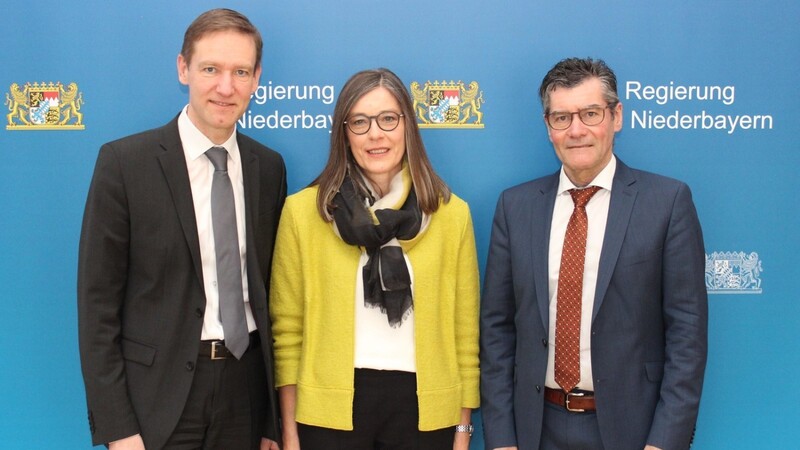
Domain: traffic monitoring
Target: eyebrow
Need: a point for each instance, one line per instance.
(375, 115)
(236, 66)
(593, 105)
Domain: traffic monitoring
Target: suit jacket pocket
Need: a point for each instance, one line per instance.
(654, 371)
(136, 352)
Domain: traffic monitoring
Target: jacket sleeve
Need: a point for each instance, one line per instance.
(498, 339)
(286, 299)
(685, 310)
(466, 315)
(102, 281)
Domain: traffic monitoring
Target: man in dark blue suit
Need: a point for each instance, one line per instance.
(640, 324)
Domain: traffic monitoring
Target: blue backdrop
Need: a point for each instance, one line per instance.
(710, 95)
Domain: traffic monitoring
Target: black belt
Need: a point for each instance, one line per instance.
(217, 350)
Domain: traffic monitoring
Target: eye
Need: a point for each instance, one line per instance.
(358, 121)
(388, 119)
(209, 70)
(590, 113)
(559, 117)
(242, 73)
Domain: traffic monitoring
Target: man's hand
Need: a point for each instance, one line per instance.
(266, 444)
(134, 442)
(651, 447)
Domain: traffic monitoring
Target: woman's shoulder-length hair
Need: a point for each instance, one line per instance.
(429, 187)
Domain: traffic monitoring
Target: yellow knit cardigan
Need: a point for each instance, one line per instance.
(312, 306)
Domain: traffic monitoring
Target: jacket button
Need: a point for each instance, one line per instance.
(198, 312)
(544, 342)
(538, 388)
(189, 366)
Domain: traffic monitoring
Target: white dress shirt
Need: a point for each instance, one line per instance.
(378, 345)
(201, 174)
(597, 214)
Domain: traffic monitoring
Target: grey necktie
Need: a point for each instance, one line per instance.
(226, 245)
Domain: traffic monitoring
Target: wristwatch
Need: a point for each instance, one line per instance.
(465, 429)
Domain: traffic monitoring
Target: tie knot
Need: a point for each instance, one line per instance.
(219, 158)
(582, 196)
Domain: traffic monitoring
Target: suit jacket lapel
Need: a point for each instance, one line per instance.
(623, 197)
(251, 173)
(250, 178)
(541, 218)
(173, 163)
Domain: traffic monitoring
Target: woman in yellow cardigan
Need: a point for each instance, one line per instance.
(374, 291)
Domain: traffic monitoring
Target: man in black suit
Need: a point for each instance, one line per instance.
(157, 370)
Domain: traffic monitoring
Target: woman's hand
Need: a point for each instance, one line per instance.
(288, 400)
(461, 441)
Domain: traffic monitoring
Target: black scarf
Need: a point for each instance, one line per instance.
(387, 283)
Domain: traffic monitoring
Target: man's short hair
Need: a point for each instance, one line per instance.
(216, 20)
(571, 72)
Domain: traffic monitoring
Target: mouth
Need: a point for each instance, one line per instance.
(578, 146)
(221, 104)
(377, 151)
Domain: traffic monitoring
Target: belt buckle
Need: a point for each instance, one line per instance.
(566, 401)
(214, 345)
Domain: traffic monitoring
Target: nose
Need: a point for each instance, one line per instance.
(374, 131)
(576, 127)
(225, 83)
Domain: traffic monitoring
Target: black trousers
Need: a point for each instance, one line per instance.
(385, 417)
(227, 405)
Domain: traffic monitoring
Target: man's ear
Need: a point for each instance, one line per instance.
(183, 70)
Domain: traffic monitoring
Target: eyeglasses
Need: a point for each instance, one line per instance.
(593, 115)
(360, 123)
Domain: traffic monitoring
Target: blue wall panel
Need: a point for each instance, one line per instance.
(122, 57)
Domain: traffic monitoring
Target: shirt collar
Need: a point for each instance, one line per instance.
(604, 179)
(195, 143)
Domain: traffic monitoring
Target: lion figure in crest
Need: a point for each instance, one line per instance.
(17, 103)
(71, 101)
(471, 100)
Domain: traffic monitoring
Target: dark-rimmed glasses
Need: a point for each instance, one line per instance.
(590, 116)
(360, 123)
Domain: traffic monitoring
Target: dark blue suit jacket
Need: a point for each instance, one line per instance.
(649, 323)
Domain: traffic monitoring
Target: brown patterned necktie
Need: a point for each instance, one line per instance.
(570, 288)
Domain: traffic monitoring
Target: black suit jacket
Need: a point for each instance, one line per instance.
(141, 300)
